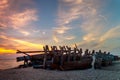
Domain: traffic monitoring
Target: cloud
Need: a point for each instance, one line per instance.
(29, 44)
(58, 33)
(23, 19)
(73, 1)
(24, 32)
(3, 4)
(21, 44)
(61, 30)
(13, 16)
(89, 37)
(70, 37)
(82, 11)
(103, 41)
(55, 38)
(16, 17)
(87, 13)
(16, 20)
(110, 34)
(58, 38)
(69, 10)
(87, 44)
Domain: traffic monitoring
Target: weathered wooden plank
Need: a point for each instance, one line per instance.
(22, 58)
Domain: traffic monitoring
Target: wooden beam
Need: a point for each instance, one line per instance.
(18, 51)
(29, 51)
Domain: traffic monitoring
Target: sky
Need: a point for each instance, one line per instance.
(31, 24)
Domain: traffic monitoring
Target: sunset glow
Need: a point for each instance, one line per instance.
(31, 24)
(2, 50)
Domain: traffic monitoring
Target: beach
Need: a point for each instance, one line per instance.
(106, 73)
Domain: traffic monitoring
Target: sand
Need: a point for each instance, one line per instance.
(106, 73)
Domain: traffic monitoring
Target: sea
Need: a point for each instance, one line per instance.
(8, 61)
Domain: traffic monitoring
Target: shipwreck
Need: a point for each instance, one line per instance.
(65, 58)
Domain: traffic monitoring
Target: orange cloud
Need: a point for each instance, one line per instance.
(70, 37)
(13, 15)
(89, 37)
(24, 32)
(58, 33)
(24, 18)
(74, 1)
(28, 44)
(3, 4)
(61, 30)
(21, 44)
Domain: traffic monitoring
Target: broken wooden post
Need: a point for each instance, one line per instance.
(100, 52)
(61, 52)
(45, 55)
(86, 52)
(64, 48)
(89, 53)
(80, 53)
(93, 52)
(74, 54)
(68, 53)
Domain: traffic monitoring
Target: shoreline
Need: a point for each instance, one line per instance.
(18, 67)
(106, 73)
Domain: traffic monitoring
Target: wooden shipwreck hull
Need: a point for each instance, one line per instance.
(84, 64)
(65, 58)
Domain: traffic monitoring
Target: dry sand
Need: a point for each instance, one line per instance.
(106, 73)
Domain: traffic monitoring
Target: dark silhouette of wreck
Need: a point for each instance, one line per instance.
(65, 58)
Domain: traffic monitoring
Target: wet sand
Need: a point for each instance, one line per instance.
(106, 73)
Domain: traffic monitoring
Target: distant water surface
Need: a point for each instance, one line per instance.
(8, 61)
